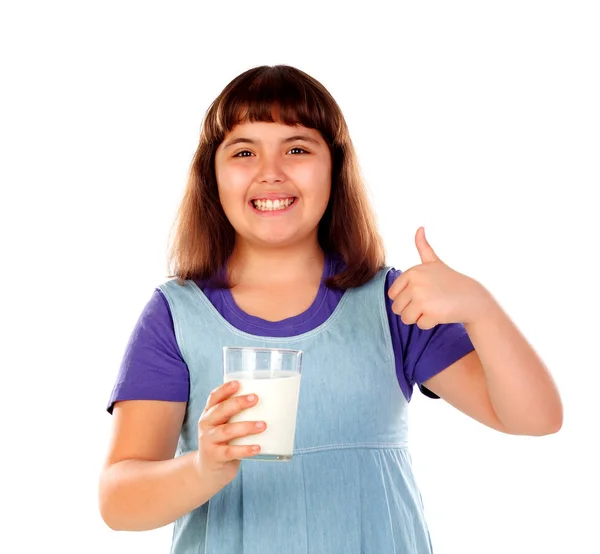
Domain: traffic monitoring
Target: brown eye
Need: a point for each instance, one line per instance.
(242, 152)
(301, 149)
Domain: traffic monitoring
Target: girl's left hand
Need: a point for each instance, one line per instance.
(431, 292)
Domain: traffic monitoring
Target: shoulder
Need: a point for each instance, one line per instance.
(156, 306)
(178, 292)
(391, 275)
(156, 316)
(172, 285)
(381, 281)
(152, 367)
(155, 324)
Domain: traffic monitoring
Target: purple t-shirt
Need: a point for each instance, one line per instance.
(154, 369)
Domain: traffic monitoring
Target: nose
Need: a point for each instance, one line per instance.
(270, 170)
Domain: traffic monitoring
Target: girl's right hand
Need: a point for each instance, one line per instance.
(215, 431)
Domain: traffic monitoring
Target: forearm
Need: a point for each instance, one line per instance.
(521, 390)
(137, 495)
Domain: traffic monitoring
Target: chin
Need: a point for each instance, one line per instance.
(275, 240)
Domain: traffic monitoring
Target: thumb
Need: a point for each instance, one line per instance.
(425, 251)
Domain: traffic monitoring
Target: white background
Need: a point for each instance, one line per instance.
(479, 120)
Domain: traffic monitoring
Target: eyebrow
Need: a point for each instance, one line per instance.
(305, 138)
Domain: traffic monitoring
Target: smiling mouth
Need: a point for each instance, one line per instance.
(268, 205)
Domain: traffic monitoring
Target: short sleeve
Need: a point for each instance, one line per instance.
(421, 354)
(152, 367)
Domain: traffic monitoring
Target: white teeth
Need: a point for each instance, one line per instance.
(272, 205)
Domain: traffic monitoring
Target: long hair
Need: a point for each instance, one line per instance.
(204, 238)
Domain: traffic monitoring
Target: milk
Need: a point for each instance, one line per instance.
(277, 393)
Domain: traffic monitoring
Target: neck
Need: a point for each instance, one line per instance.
(252, 264)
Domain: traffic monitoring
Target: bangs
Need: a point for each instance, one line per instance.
(274, 95)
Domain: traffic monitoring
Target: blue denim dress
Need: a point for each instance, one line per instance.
(349, 488)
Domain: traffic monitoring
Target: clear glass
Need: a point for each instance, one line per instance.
(273, 374)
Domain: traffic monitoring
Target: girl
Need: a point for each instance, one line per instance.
(276, 246)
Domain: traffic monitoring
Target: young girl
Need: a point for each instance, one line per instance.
(276, 246)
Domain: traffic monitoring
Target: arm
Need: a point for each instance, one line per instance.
(142, 486)
(503, 383)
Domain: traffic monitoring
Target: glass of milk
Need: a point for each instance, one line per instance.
(273, 374)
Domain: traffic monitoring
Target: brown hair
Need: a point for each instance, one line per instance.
(204, 238)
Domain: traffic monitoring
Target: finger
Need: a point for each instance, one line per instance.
(221, 393)
(401, 302)
(233, 452)
(425, 251)
(411, 313)
(229, 431)
(426, 323)
(398, 285)
(224, 411)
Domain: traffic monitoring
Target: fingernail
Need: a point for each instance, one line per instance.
(260, 425)
(251, 398)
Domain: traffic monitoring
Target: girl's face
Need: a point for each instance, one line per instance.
(274, 182)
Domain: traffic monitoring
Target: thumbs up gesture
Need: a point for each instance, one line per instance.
(431, 292)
